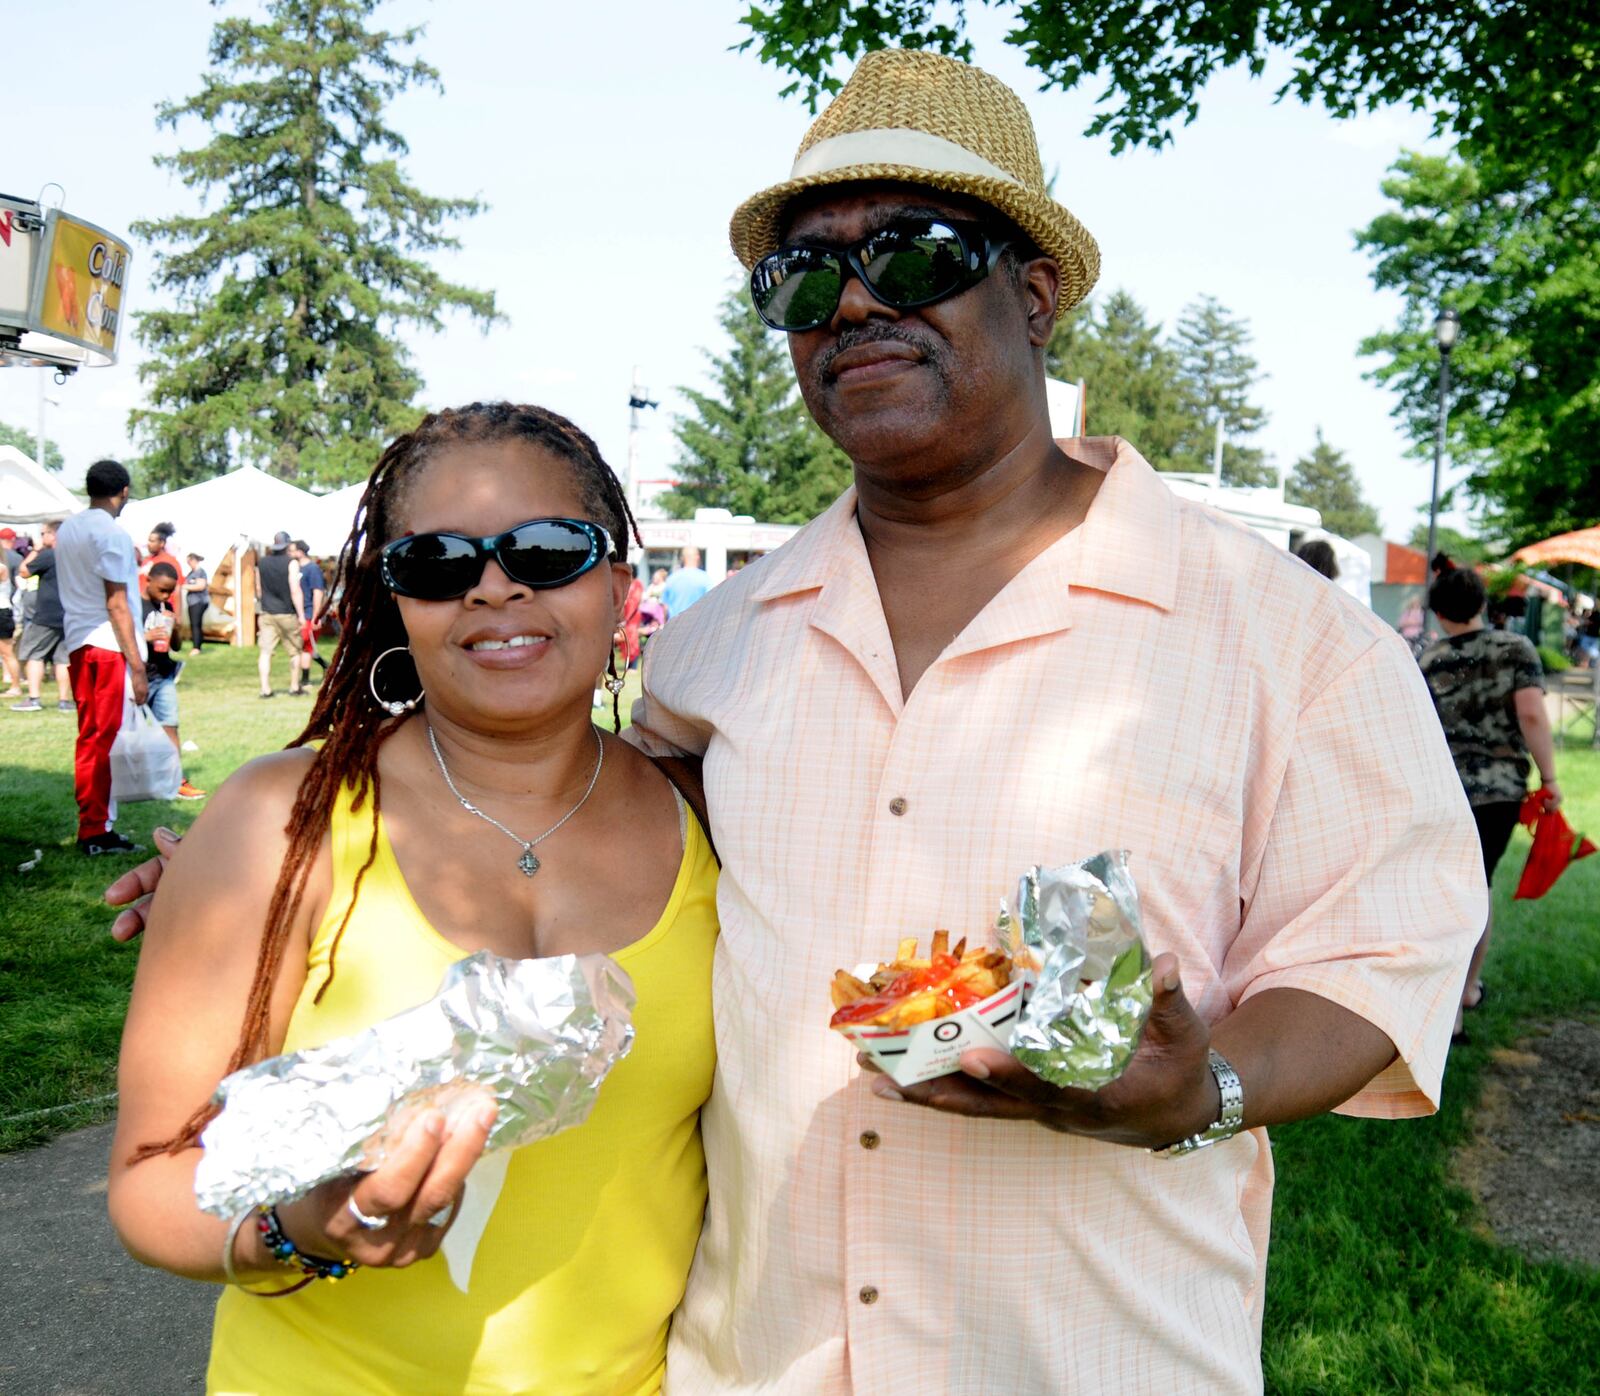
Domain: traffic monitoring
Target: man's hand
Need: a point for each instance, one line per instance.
(139, 682)
(1552, 796)
(1166, 1093)
(134, 889)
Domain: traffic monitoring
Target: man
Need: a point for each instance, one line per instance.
(278, 614)
(687, 584)
(994, 652)
(1488, 687)
(313, 592)
(10, 558)
(160, 620)
(98, 573)
(43, 638)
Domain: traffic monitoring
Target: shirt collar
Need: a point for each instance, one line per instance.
(1127, 544)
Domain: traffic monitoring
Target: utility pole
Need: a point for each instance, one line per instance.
(638, 401)
(1216, 457)
(1445, 330)
(41, 441)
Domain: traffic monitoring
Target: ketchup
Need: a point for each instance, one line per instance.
(907, 984)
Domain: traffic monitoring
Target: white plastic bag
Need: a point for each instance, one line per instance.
(144, 763)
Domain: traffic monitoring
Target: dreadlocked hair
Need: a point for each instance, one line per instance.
(349, 725)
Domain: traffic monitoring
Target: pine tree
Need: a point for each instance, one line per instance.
(750, 446)
(1131, 383)
(290, 290)
(1326, 481)
(1218, 373)
(28, 444)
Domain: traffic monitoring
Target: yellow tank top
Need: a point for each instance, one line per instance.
(587, 1250)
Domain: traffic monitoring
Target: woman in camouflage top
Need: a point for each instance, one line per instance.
(1488, 686)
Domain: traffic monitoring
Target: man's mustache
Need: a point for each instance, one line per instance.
(874, 332)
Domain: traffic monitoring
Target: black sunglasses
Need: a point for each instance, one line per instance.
(541, 553)
(914, 261)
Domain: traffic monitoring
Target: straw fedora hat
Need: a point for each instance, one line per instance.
(926, 119)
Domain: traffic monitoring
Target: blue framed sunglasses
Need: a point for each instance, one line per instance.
(541, 553)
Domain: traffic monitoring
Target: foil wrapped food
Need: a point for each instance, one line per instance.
(538, 1035)
(1077, 931)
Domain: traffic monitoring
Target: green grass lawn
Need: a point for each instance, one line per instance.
(1379, 1281)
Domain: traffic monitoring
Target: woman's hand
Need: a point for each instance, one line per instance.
(423, 1177)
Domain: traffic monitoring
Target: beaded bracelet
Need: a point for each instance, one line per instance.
(313, 1267)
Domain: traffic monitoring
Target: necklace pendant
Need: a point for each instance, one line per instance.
(528, 863)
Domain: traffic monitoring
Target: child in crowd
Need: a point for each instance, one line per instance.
(160, 628)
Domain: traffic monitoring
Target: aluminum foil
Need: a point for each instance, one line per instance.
(538, 1035)
(1077, 927)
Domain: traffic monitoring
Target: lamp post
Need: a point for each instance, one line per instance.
(1445, 329)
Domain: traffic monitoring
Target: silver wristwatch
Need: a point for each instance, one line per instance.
(1230, 1120)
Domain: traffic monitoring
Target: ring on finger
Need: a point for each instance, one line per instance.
(363, 1220)
(443, 1215)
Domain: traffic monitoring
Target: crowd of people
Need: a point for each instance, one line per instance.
(108, 619)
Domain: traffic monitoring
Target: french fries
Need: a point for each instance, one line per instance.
(909, 990)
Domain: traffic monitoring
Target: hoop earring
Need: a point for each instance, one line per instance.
(393, 709)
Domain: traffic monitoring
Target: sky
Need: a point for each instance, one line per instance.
(613, 141)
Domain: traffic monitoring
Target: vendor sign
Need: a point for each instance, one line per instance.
(77, 284)
(16, 263)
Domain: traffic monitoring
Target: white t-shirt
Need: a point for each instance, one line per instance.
(92, 548)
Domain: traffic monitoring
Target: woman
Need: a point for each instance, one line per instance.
(631, 620)
(197, 596)
(1488, 688)
(8, 631)
(157, 549)
(402, 842)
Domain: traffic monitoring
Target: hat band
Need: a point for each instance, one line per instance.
(893, 146)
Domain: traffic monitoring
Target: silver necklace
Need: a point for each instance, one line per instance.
(527, 862)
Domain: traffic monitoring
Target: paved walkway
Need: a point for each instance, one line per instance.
(78, 1317)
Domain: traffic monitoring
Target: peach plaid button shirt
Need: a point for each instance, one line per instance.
(1160, 680)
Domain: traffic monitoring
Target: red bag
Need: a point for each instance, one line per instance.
(1552, 848)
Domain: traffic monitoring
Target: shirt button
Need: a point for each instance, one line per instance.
(869, 1139)
(898, 805)
(869, 1294)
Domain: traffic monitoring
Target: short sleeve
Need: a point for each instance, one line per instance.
(1529, 668)
(657, 728)
(1371, 891)
(111, 556)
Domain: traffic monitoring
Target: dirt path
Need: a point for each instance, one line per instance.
(80, 1317)
(1532, 1163)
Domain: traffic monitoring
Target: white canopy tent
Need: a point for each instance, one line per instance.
(330, 519)
(1355, 564)
(30, 494)
(244, 506)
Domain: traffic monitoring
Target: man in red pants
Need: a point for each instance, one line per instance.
(98, 570)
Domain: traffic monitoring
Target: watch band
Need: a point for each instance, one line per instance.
(1230, 1119)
